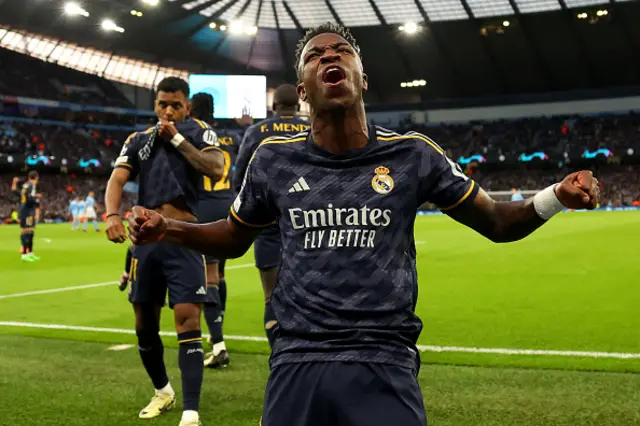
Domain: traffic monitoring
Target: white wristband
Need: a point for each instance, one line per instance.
(177, 140)
(546, 203)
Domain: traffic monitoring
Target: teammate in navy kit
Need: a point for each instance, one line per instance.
(345, 348)
(266, 247)
(169, 161)
(215, 198)
(29, 213)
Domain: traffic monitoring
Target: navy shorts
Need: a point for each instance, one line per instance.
(28, 220)
(343, 394)
(211, 211)
(156, 268)
(266, 248)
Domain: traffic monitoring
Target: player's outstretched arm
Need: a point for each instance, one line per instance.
(218, 239)
(511, 221)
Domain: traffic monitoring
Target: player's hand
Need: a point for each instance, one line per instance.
(167, 129)
(146, 226)
(16, 179)
(579, 191)
(115, 230)
(246, 120)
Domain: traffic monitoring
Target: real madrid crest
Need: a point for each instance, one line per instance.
(382, 183)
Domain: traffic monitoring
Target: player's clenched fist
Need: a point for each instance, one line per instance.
(146, 226)
(115, 229)
(579, 191)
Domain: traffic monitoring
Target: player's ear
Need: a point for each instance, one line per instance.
(302, 93)
(365, 82)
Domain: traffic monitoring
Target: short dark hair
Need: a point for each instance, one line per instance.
(33, 174)
(202, 107)
(172, 85)
(326, 28)
(286, 95)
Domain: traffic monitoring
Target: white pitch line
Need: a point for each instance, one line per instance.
(57, 290)
(81, 287)
(244, 265)
(422, 348)
(503, 351)
(119, 347)
(111, 330)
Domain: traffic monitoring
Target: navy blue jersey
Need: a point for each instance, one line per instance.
(164, 175)
(28, 199)
(229, 143)
(347, 284)
(275, 126)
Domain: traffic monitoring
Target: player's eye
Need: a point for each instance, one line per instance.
(310, 57)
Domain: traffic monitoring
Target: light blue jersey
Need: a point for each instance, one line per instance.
(517, 196)
(73, 208)
(81, 207)
(90, 213)
(89, 201)
(76, 209)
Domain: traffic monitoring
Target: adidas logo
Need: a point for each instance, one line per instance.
(300, 186)
(202, 290)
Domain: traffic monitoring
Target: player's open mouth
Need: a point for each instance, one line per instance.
(333, 75)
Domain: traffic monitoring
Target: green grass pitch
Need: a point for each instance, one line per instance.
(572, 287)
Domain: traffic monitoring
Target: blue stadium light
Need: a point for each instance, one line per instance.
(86, 163)
(602, 151)
(477, 158)
(526, 158)
(37, 159)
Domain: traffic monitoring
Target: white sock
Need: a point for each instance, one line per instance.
(190, 415)
(218, 347)
(167, 390)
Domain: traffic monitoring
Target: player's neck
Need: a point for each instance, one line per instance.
(286, 112)
(340, 131)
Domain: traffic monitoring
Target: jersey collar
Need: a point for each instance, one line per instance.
(316, 149)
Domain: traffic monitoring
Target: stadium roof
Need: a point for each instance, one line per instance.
(414, 50)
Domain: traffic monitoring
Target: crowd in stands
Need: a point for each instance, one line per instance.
(620, 183)
(71, 144)
(553, 135)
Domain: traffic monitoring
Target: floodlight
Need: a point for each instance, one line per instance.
(74, 9)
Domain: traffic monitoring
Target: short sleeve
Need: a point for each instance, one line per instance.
(128, 158)
(442, 182)
(206, 140)
(252, 207)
